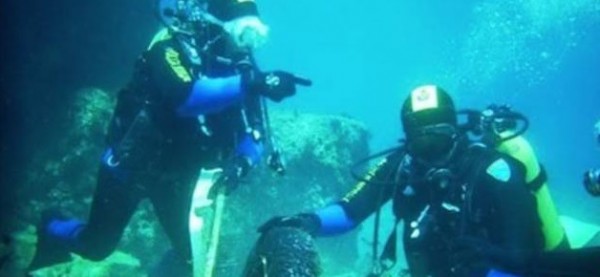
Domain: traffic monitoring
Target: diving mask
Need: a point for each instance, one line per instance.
(433, 143)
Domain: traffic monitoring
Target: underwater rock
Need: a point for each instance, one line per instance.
(91, 112)
(22, 248)
(64, 175)
(332, 141)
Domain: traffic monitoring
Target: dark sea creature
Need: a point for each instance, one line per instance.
(285, 251)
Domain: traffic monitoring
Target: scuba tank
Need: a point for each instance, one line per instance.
(502, 128)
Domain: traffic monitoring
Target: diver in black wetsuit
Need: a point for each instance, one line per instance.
(196, 100)
(465, 207)
(591, 178)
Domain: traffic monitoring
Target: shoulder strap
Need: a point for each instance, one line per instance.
(539, 180)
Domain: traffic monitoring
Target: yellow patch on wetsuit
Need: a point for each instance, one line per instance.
(162, 35)
(358, 187)
(424, 97)
(172, 58)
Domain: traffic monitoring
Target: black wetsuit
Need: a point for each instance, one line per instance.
(484, 198)
(162, 157)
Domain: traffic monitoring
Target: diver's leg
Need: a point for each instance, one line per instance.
(171, 199)
(114, 203)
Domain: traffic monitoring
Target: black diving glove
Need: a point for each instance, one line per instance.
(233, 173)
(275, 85)
(308, 222)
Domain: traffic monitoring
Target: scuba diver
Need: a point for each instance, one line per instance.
(591, 181)
(468, 208)
(591, 178)
(196, 100)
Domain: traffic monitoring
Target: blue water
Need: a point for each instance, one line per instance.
(364, 57)
(541, 57)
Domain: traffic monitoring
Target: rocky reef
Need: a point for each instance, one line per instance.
(318, 150)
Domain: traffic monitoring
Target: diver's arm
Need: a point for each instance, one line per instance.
(364, 199)
(334, 220)
(517, 231)
(331, 220)
(346, 214)
(211, 95)
(179, 88)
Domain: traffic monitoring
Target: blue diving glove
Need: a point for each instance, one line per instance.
(248, 154)
(233, 173)
(57, 236)
(251, 149)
